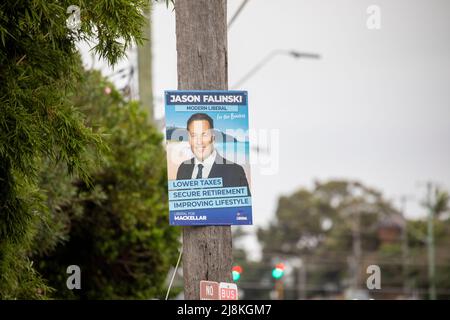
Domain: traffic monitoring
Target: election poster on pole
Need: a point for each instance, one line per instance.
(208, 164)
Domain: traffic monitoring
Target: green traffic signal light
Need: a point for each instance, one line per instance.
(236, 273)
(277, 273)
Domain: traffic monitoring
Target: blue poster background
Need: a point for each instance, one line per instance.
(195, 201)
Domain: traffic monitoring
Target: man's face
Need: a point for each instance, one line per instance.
(201, 139)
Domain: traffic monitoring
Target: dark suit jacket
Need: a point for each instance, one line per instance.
(232, 174)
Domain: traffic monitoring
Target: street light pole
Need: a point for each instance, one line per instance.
(238, 11)
(405, 247)
(357, 248)
(270, 56)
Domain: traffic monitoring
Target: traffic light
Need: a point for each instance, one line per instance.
(278, 271)
(236, 271)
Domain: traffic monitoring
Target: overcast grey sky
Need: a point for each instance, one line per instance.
(375, 108)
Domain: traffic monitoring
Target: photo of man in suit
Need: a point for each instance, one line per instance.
(207, 162)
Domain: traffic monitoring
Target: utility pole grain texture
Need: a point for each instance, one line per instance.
(201, 31)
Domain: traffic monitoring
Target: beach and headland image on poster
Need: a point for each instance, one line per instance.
(208, 161)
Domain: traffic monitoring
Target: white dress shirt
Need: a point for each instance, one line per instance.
(207, 165)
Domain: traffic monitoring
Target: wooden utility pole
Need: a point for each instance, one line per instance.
(145, 68)
(430, 245)
(201, 29)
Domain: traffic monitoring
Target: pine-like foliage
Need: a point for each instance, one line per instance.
(38, 122)
(117, 229)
